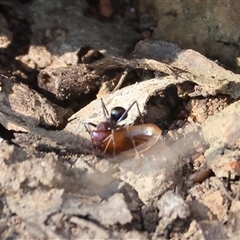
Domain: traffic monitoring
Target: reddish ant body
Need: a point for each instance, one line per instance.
(112, 139)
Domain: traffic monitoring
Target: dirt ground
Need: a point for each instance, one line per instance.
(169, 170)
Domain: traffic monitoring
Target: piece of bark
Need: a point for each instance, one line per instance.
(192, 66)
(68, 82)
(111, 62)
(22, 108)
(71, 82)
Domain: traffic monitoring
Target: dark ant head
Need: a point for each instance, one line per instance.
(118, 114)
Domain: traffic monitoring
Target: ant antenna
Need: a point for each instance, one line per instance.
(87, 126)
(105, 111)
(124, 115)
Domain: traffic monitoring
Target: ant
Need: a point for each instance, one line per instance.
(111, 138)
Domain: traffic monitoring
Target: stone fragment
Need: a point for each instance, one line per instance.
(171, 206)
(222, 132)
(109, 212)
(23, 108)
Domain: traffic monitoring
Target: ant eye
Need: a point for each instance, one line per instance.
(117, 112)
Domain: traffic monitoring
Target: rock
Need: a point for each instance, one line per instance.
(151, 174)
(88, 229)
(208, 31)
(216, 203)
(19, 171)
(23, 108)
(213, 230)
(171, 206)
(222, 132)
(158, 50)
(232, 223)
(6, 35)
(60, 30)
(135, 235)
(194, 232)
(209, 201)
(149, 215)
(39, 204)
(95, 208)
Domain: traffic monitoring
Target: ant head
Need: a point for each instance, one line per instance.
(118, 114)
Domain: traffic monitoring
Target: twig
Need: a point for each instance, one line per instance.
(121, 80)
(179, 186)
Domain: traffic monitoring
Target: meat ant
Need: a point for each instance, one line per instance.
(111, 138)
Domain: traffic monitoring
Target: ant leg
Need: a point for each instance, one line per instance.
(105, 111)
(126, 112)
(87, 126)
(140, 115)
(114, 144)
(108, 139)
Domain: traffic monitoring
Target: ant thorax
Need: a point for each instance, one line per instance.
(109, 124)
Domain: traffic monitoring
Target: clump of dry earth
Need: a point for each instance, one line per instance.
(54, 185)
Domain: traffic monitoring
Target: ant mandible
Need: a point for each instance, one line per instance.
(112, 139)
